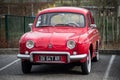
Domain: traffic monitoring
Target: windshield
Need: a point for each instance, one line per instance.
(61, 19)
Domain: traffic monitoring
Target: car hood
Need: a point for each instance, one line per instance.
(56, 38)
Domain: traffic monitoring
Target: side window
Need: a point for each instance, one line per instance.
(89, 20)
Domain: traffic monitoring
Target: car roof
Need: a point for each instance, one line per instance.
(64, 9)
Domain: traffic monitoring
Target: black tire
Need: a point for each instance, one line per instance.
(86, 66)
(97, 57)
(26, 67)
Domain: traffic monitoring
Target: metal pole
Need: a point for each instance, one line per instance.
(113, 28)
(8, 9)
(107, 30)
(117, 29)
(24, 25)
(32, 8)
(6, 28)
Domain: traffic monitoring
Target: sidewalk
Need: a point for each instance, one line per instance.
(9, 50)
(16, 50)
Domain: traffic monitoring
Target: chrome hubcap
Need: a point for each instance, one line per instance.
(89, 62)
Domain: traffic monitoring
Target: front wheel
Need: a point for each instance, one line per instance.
(26, 66)
(86, 66)
(97, 57)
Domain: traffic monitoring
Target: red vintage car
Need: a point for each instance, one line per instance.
(61, 35)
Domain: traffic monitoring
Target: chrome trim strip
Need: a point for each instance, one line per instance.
(78, 57)
(69, 57)
(23, 56)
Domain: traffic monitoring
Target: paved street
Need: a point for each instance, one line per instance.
(108, 68)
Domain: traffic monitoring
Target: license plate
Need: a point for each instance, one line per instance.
(50, 58)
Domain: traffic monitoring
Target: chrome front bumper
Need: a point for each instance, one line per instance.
(69, 57)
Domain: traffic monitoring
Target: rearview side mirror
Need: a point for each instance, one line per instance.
(30, 25)
(93, 25)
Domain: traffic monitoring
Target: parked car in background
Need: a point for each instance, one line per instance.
(61, 35)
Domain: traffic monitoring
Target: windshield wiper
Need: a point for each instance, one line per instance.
(68, 24)
(44, 26)
(63, 25)
(60, 25)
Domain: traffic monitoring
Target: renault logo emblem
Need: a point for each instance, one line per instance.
(49, 45)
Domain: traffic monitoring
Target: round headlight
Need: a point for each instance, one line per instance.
(70, 44)
(29, 44)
